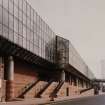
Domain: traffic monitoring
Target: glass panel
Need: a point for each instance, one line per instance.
(24, 42)
(36, 49)
(24, 19)
(20, 28)
(5, 31)
(28, 34)
(15, 37)
(10, 21)
(5, 17)
(35, 27)
(11, 35)
(32, 26)
(28, 44)
(12, 1)
(16, 11)
(20, 15)
(20, 4)
(39, 22)
(38, 18)
(35, 14)
(16, 25)
(28, 23)
(42, 25)
(10, 7)
(24, 31)
(5, 4)
(31, 36)
(0, 29)
(24, 6)
(35, 39)
(16, 2)
(28, 10)
(20, 40)
(31, 46)
(0, 2)
(40, 47)
(0, 14)
(32, 14)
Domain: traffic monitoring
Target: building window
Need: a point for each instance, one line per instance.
(11, 35)
(0, 29)
(5, 4)
(16, 11)
(0, 14)
(20, 28)
(24, 6)
(5, 17)
(10, 6)
(16, 25)
(16, 37)
(5, 31)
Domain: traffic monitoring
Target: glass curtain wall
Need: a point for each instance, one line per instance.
(77, 62)
(20, 24)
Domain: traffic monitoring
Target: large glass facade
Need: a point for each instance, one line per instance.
(67, 54)
(21, 24)
(77, 62)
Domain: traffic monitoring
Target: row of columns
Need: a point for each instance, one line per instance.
(10, 79)
(78, 82)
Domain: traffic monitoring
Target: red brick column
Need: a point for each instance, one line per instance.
(9, 90)
(2, 81)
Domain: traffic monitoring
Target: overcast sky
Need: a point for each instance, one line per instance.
(82, 22)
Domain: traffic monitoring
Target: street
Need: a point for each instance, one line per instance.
(93, 100)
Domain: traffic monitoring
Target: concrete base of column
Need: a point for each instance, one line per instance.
(63, 76)
(9, 90)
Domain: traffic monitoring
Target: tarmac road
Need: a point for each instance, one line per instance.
(92, 100)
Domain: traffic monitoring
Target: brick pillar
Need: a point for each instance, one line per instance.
(10, 79)
(2, 81)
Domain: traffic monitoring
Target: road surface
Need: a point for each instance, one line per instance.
(92, 100)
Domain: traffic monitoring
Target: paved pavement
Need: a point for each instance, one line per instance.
(34, 101)
(91, 100)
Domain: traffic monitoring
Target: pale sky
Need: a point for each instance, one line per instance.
(80, 21)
